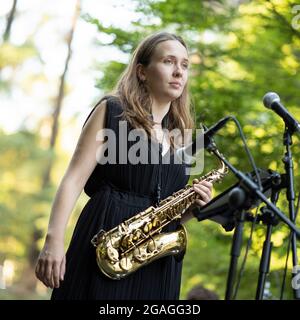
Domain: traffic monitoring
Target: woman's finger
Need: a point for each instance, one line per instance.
(207, 184)
(203, 182)
(48, 274)
(205, 194)
(63, 268)
(37, 269)
(42, 270)
(56, 274)
(203, 188)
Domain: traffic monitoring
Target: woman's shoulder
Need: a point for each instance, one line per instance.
(114, 111)
(109, 104)
(114, 106)
(112, 101)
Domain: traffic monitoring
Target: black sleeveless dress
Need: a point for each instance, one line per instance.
(117, 192)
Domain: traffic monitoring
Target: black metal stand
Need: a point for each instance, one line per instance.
(290, 194)
(230, 210)
(270, 219)
(249, 187)
(238, 199)
(235, 253)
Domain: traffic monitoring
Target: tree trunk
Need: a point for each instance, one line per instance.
(60, 96)
(10, 20)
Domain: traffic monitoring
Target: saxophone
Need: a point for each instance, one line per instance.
(138, 241)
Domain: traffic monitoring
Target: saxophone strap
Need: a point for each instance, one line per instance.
(158, 186)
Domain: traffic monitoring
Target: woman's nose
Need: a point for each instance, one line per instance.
(178, 70)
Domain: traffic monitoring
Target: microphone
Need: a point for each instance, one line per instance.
(203, 140)
(271, 100)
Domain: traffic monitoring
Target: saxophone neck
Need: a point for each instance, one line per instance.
(223, 167)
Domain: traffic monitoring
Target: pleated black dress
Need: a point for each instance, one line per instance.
(117, 192)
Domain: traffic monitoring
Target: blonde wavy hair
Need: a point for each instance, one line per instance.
(135, 98)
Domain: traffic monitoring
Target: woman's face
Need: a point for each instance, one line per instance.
(167, 73)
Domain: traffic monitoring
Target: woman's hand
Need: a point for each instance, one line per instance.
(204, 192)
(51, 263)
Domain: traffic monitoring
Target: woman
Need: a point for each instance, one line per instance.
(152, 95)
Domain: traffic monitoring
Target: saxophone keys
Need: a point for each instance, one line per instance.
(137, 234)
(156, 222)
(124, 242)
(151, 246)
(154, 247)
(113, 254)
(125, 264)
(140, 254)
(127, 241)
(147, 228)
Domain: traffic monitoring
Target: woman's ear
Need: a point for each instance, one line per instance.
(140, 72)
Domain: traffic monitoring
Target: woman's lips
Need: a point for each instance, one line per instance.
(175, 85)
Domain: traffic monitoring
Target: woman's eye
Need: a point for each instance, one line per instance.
(170, 61)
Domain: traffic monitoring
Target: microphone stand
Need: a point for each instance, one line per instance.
(270, 219)
(252, 188)
(290, 194)
(235, 252)
(238, 199)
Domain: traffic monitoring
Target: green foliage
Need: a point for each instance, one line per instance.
(111, 72)
(13, 56)
(23, 204)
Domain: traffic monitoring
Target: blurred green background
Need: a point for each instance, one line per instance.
(58, 58)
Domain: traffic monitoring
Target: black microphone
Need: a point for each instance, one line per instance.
(271, 100)
(203, 140)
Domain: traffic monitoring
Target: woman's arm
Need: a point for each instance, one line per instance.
(51, 262)
(80, 168)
